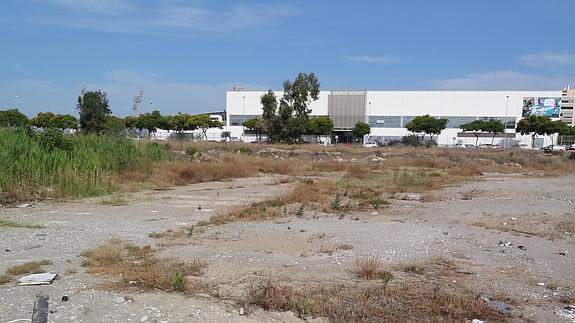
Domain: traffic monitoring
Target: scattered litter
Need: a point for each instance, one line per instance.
(504, 244)
(562, 253)
(496, 305)
(513, 219)
(477, 321)
(541, 284)
(37, 279)
(567, 312)
(24, 205)
(522, 248)
(242, 311)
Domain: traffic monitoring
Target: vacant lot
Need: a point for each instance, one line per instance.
(285, 233)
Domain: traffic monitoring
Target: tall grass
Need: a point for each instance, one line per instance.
(32, 166)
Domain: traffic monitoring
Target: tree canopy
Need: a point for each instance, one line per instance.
(13, 118)
(319, 125)
(361, 129)
(477, 127)
(288, 121)
(46, 120)
(93, 107)
(426, 125)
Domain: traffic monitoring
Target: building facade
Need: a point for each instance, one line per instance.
(567, 101)
(387, 112)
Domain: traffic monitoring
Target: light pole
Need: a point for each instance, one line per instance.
(243, 115)
(505, 122)
(14, 101)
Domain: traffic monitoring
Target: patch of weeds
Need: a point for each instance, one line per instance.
(367, 268)
(136, 266)
(5, 279)
(404, 302)
(300, 213)
(385, 276)
(414, 268)
(32, 267)
(378, 202)
(114, 201)
(552, 286)
(344, 246)
(336, 203)
(179, 282)
(191, 151)
(12, 224)
(191, 231)
(203, 223)
(245, 150)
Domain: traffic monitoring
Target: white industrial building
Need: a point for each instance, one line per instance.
(387, 112)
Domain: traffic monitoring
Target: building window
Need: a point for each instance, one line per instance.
(238, 119)
(385, 121)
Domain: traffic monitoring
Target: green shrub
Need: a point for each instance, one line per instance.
(51, 164)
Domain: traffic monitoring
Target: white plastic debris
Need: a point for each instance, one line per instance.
(37, 279)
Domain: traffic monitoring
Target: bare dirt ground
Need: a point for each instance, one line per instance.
(509, 235)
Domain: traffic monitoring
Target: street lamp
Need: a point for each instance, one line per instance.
(243, 115)
(368, 112)
(505, 122)
(14, 99)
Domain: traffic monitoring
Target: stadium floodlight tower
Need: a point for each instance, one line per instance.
(137, 101)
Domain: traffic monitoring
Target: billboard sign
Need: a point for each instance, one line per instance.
(542, 106)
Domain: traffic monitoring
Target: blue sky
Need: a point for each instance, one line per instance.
(186, 54)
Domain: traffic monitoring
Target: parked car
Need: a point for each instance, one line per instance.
(525, 147)
(572, 147)
(486, 146)
(470, 146)
(554, 148)
(370, 145)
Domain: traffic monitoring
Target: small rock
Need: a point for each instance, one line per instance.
(65, 298)
(513, 219)
(408, 196)
(522, 248)
(144, 318)
(541, 284)
(119, 300)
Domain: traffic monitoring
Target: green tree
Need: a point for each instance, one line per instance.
(493, 127)
(256, 125)
(475, 127)
(287, 121)
(226, 136)
(46, 120)
(181, 123)
(93, 107)
(533, 126)
(204, 122)
(13, 118)
(319, 125)
(130, 124)
(361, 129)
(427, 125)
(150, 121)
(113, 125)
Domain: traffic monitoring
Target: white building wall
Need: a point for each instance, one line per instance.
(409, 103)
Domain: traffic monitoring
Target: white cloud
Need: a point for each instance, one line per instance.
(120, 86)
(371, 59)
(501, 80)
(127, 16)
(107, 7)
(548, 59)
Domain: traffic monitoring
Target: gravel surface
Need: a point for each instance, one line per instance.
(469, 224)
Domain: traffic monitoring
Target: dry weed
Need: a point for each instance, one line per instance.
(408, 301)
(32, 267)
(138, 267)
(367, 268)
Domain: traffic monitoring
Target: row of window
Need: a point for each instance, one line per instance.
(395, 121)
(452, 122)
(238, 119)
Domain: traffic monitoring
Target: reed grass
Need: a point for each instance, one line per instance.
(82, 165)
